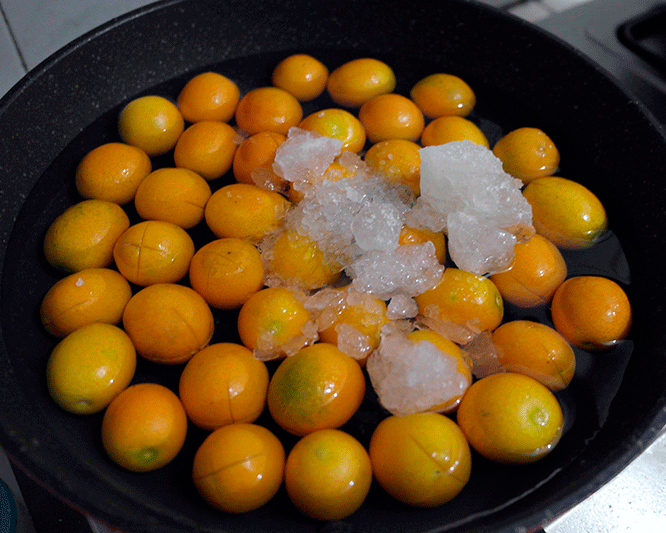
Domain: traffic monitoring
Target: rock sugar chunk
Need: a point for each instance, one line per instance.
(377, 226)
(411, 377)
(466, 193)
(408, 270)
(356, 217)
(304, 157)
(479, 246)
(354, 316)
(349, 211)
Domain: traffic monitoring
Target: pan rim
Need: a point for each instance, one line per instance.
(659, 415)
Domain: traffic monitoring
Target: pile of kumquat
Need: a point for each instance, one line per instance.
(144, 290)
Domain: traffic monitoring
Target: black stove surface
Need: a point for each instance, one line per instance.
(595, 29)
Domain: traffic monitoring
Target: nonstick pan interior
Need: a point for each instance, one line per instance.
(69, 104)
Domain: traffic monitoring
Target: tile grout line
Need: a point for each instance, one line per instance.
(13, 38)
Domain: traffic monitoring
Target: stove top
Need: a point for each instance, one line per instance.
(593, 28)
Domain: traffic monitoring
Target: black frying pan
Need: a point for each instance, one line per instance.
(522, 77)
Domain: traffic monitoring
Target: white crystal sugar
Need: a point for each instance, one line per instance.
(411, 377)
(305, 155)
(479, 246)
(410, 269)
(348, 210)
(465, 192)
(377, 226)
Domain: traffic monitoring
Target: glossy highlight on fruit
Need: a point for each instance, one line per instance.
(421, 459)
(223, 384)
(208, 96)
(152, 123)
(328, 474)
(90, 367)
(153, 251)
(566, 212)
(536, 272)
(592, 312)
(302, 75)
(87, 296)
(536, 350)
(84, 235)
(268, 109)
(359, 80)
(317, 388)
(443, 94)
(239, 467)
(144, 427)
(527, 154)
(113, 172)
(511, 418)
(168, 322)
